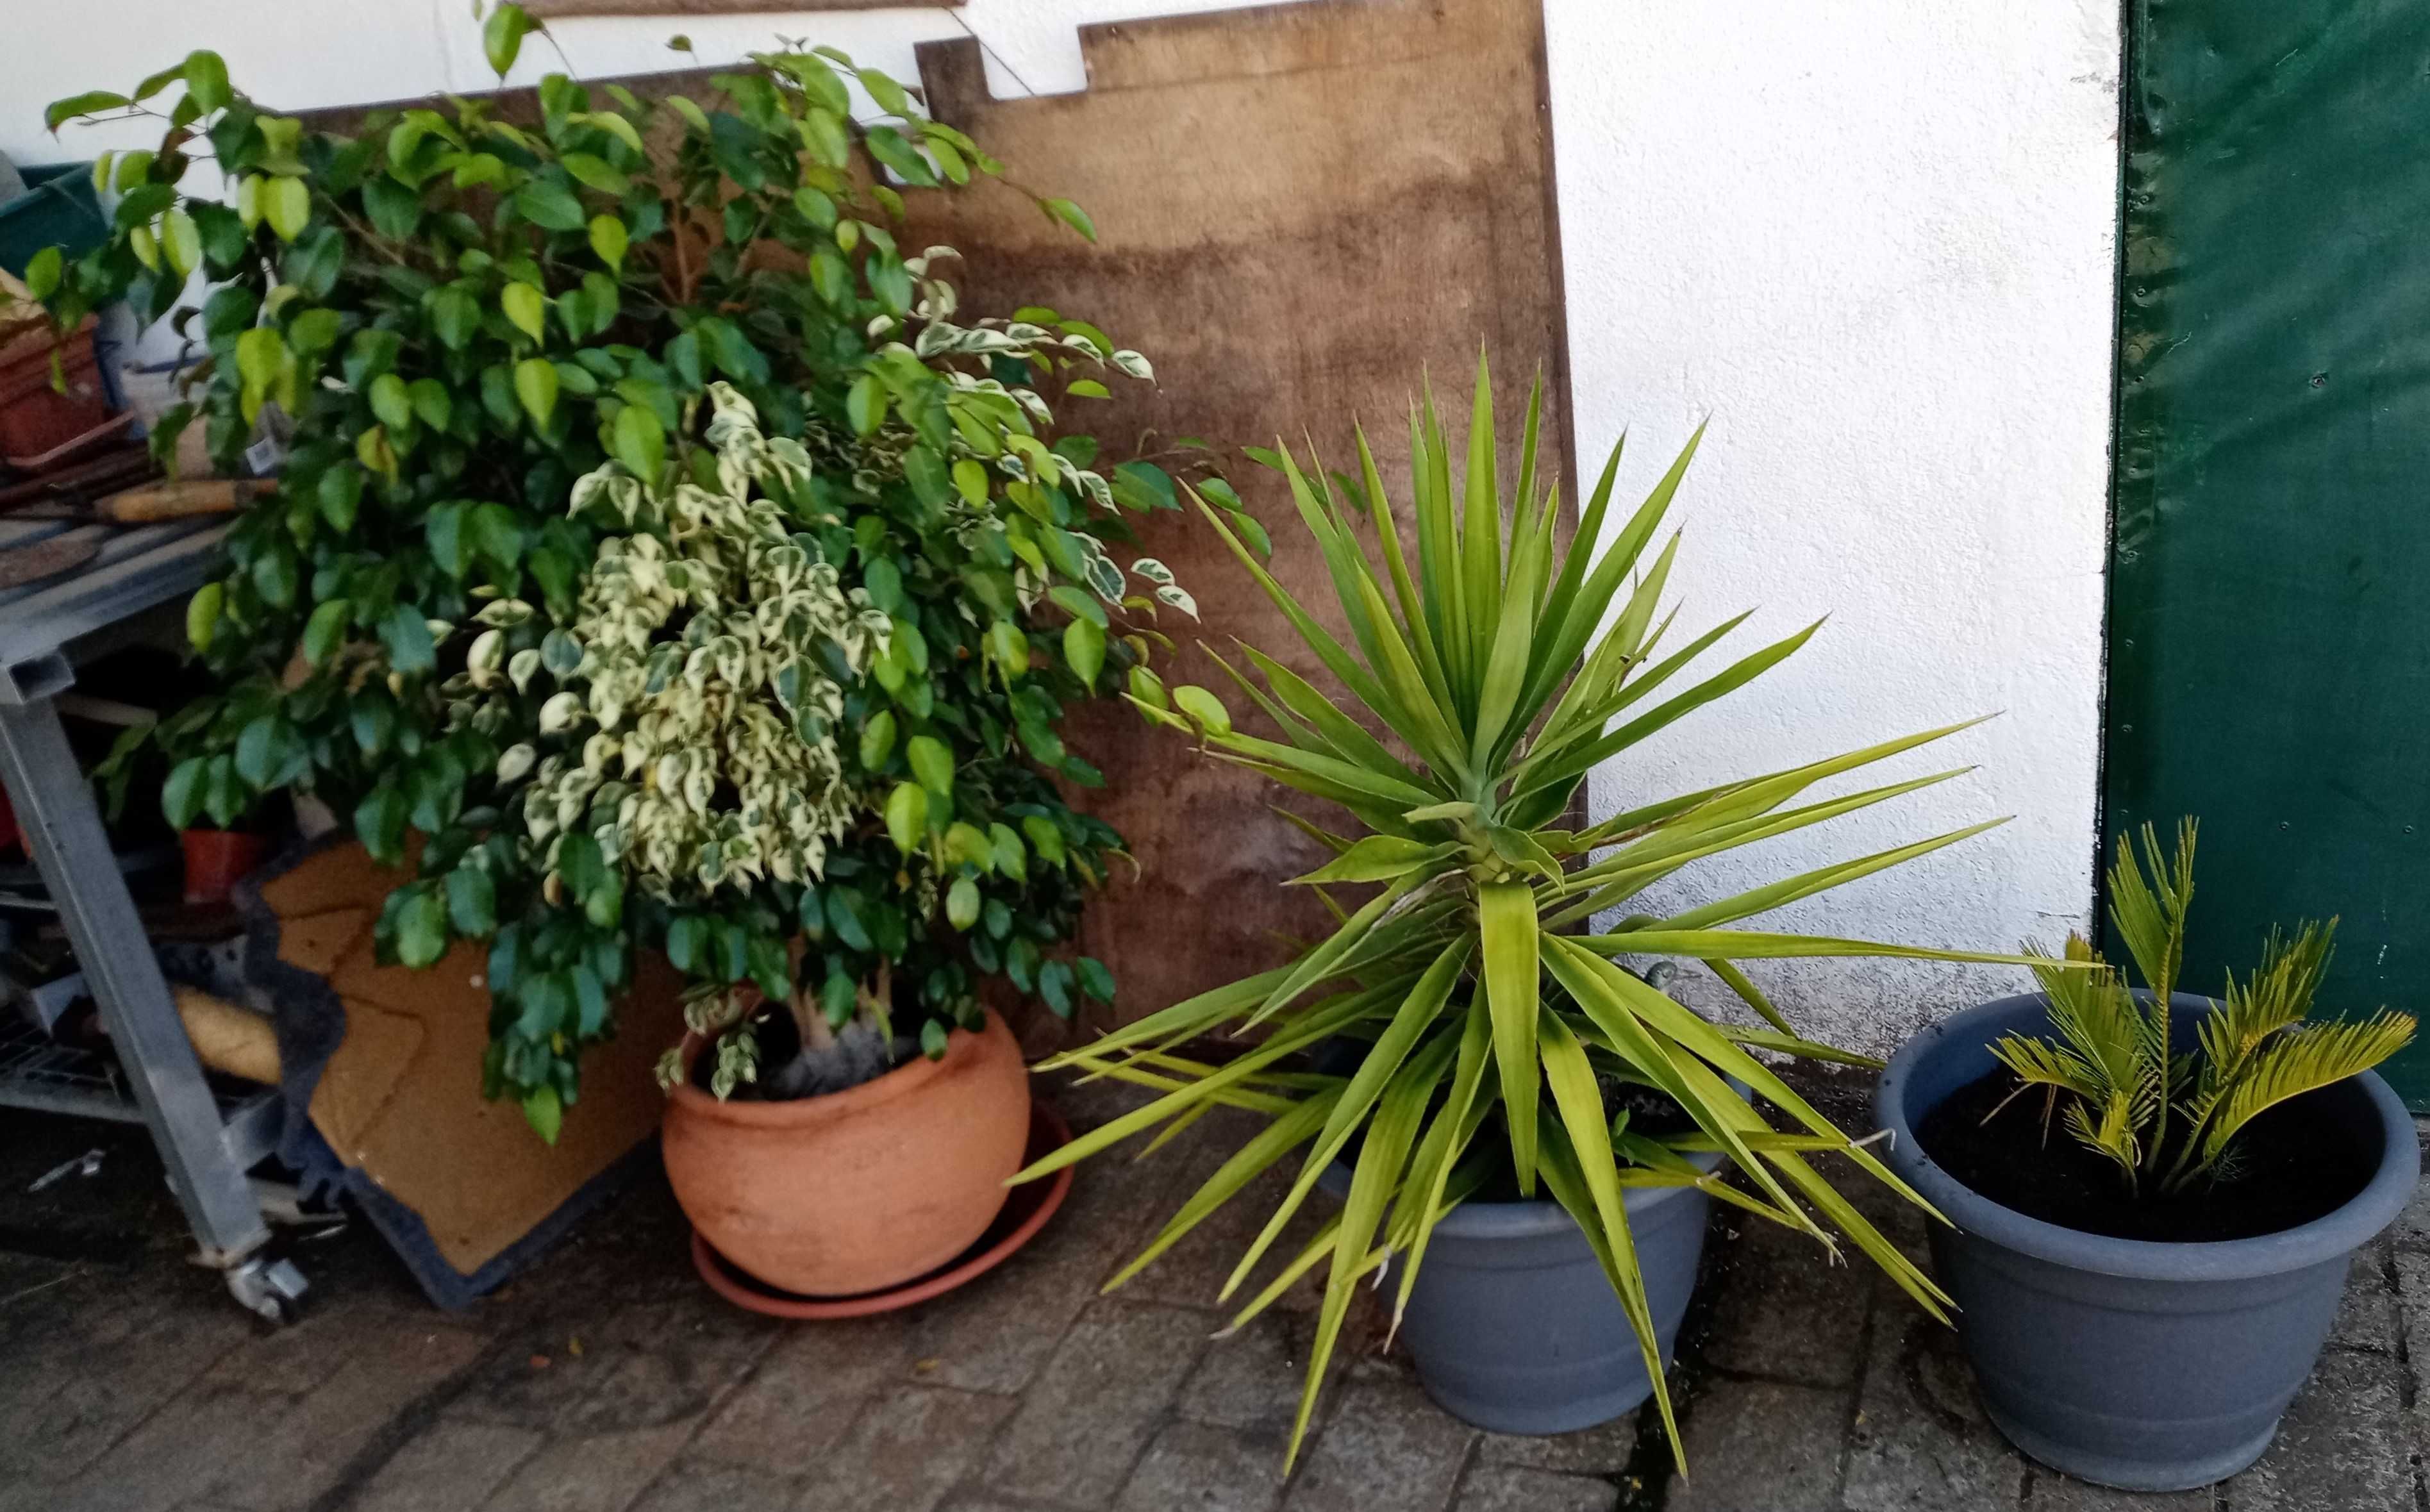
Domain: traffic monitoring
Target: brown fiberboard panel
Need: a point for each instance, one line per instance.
(1299, 209)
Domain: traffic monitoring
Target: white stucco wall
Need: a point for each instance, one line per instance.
(341, 52)
(1875, 242)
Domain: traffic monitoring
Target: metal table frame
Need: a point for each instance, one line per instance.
(46, 628)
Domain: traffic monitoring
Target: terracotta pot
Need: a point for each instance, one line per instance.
(218, 859)
(858, 1190)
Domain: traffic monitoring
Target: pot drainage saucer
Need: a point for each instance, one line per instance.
(1026, 1211)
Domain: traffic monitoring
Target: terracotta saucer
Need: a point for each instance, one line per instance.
(1026, 1211)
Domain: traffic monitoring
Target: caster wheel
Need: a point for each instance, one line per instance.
(272, 1291)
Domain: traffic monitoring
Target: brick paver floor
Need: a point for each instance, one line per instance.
(607, 1378)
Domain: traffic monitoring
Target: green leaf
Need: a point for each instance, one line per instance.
(43, 273)
(543, 1109)
(502, 39)
(1084, 649)
(878, 741)
(203, 615)
(1071, 215)
(962, 903)
(380, 823)
(286, 205)
(609, 239)
(535, 385)
(906, 816)
(91, 103)
(406, 635)
(1054, 985)
(595, 171)
(325, 630)
(339, 494)
(641, 442)
(1204, 708)
(390, 402)
(455, 315)
(472, 902)
(550, 206)
(932, 763)
(864, 404)
(527, 308)
(207, 81)
(181, 796)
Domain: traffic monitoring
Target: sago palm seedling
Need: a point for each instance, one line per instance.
(2169, 1120)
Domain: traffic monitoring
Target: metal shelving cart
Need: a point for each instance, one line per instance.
(207, 1142)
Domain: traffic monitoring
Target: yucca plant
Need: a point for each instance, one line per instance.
(2171, 1121)
(1496, 675)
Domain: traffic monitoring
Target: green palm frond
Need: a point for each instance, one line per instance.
(1481, 669)
(2113, 1057)
(2300, 1059)
(2150, 911)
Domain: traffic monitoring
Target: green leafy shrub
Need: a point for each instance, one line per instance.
(1489, 1024)
(2167, 1119)
(451, 318)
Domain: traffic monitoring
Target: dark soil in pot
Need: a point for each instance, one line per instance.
(2296, 1163)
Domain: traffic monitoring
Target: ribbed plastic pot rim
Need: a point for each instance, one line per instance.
(2358, 1222)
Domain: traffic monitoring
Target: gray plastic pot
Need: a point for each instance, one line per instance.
(1514, 1327)
(2147, 1366)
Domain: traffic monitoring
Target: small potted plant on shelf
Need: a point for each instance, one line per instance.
(1489, 1049)
(659, 561)
(2157, 1194)
(212, 799)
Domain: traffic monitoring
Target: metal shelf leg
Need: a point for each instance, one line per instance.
(62, 828)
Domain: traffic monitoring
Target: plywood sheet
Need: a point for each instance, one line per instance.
(1300, 209)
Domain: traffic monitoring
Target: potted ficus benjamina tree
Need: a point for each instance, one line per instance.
(659, 561)
(1526, 1131)
(2157, 1195)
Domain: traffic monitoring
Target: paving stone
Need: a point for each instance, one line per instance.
(694, 1484)
(995, 1334)
(1097, 1403)
(592, 1473)
(1508, 1488)
(1761, 1444)
(667, 1363)
(2412, 1228)
(446, 1467)
(92, 1351)
(801, 1397)
(2413, 1310)
(1783, 1308)
(1383, 1445)
(1192, 1273)
(907, 1449)
(1197, 1467)
(1253, 1378)
(1921, 1438)
(265, 1449)
(2341, 1444)
(1602, 1449)
(2047, 1490)
(2368, 1315)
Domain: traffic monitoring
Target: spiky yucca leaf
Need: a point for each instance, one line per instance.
(1486, 669)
